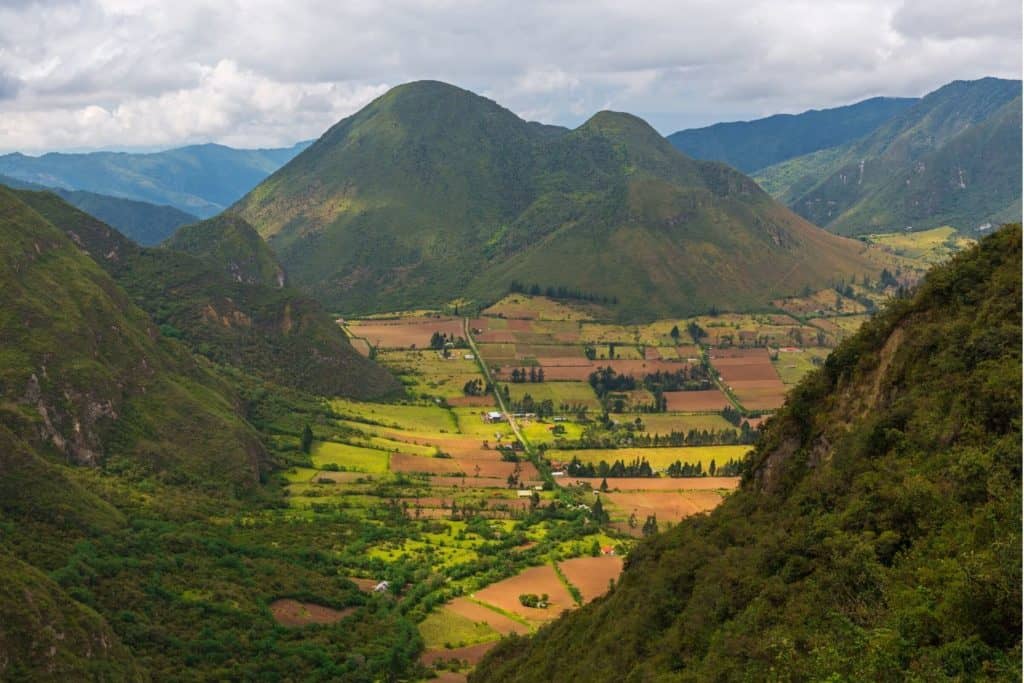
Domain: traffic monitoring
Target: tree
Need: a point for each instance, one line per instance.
(675, 333)
(604, 485)
(307, 439)
(650, 526)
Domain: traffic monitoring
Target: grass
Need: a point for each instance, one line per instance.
(659, 458)
(570, 393)
(349, 457)
(471, 424)
(793, 366)
(931, 246)
(428, 374)
(663, 423)
(539, 432)
(408, 417)
(444, 629)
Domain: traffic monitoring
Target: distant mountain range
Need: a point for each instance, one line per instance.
(145, 223)
(752, 145)
(432, 193)
(201, 180)
(953, 158)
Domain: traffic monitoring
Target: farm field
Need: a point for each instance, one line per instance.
(292, 613)
(439, 476)
(750, 375)
(666, 506)
(527, 307)
(559, 393)
(404, 332)
(929, 246)
(696, 401)
(427, 374)
(536, 580)
(794, 364)
(591, 575)
(665, 423)
(446, 628)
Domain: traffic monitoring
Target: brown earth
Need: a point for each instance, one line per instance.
(292, 613)
(538, 580)
(696, 401)
(478, 613)
(591, 575)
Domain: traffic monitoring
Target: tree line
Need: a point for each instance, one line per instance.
(560, 292)
(640, 467)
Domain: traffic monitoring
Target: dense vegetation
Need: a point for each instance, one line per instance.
(954, 158)
(752, 145)
(201, 180)
(877, 535)
(275, 332)
(234, 245)
(431, 192)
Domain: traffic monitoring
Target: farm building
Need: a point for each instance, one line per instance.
(494, 416)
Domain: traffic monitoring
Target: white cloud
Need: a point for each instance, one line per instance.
(148, 73)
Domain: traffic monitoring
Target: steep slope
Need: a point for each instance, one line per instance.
(431, 192)
(271, 331)
(85, 374)
(232, 242)
(201, 179)
(45, 635)
(142, 222)
(954, 157)
(752, 145)
(877, 534)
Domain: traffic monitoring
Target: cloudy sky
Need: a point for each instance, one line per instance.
(149, 74)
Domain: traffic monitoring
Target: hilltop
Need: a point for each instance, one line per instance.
(228, 304)
(877, 532)
(752, 145)
(952, 158)
(431, 193)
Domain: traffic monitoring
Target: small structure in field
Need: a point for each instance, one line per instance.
(494, 416)
(381, 587)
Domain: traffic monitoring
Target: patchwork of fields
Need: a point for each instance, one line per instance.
(526, 425)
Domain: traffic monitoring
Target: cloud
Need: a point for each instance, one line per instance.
(146, 73)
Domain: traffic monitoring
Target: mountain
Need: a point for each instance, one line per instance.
(752, 145)
(431, 193)
(200, 180)
(952, 158)
(877, 531)
(142, 222)
(231, 241)
(85, 373)
(208, 302)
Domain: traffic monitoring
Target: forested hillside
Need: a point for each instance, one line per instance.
(228, 303)
(877, 534)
